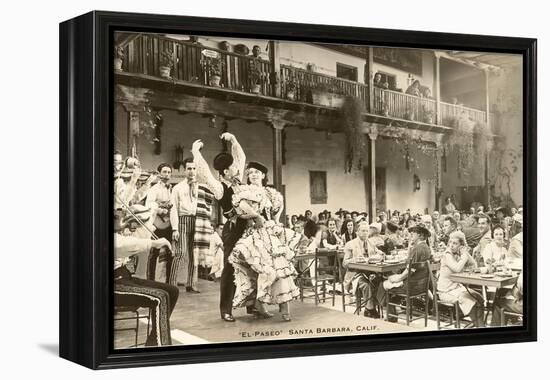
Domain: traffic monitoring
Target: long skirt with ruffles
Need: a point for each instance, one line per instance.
(264, 271)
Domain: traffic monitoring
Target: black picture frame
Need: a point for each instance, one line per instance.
(86, 101)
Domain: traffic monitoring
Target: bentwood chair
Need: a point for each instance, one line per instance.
(416, 286)
(504, 314)
(323, 276)
(128, 313)
(452, 318)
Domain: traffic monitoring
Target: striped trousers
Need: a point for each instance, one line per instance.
(185, 265)
(159, 298)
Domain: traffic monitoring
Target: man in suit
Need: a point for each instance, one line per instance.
(360, 283)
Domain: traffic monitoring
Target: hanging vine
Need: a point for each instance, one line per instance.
(351, 111)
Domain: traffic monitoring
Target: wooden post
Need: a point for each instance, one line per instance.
(278, 127)
(275, 66)
(132, 128)
(439, 163)
(489, 143)
(370, 74)
(373, 134)
(437, 89)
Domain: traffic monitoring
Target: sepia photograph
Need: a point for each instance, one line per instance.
(276, 190)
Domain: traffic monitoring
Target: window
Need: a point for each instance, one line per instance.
(346, 72)
(389, 79)
(318, 187)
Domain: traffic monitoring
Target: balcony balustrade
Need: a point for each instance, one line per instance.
(189, 62)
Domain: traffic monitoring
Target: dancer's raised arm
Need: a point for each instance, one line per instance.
(239, 158)
(204, 175)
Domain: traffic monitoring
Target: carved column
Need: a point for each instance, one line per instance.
(278, 127)
(373, 135)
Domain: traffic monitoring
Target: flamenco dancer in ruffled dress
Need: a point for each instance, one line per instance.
(264, 273)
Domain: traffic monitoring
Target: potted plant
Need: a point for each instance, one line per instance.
(119, 56)
(215, 68)
(384, 110)
(327, 94)
(409, 113)
(291, 85)
(255, 74)
(427, 115)
(166, 63)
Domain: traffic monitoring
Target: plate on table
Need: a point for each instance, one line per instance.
(375, 261)
(392, 261)
(487, 276)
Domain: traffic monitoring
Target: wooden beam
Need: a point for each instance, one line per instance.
(137, 91)
(139, 97)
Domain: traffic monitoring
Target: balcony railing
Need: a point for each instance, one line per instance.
(451, 112)
(144, 55)
(404, 106)
(303, 83)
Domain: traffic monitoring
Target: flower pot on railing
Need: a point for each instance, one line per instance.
(428, 119)
(291, 95)
(385, 111)
(255, 89)
(409, 115)
(166, 63)
(119, 56)
(327, 99)
(165, 71)
(215, 81)
(118, 64)
(320, 98)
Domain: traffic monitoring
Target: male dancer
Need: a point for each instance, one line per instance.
(191, 229)
(158, 199)
(231, 169)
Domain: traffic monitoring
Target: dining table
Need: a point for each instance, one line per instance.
(495, 280)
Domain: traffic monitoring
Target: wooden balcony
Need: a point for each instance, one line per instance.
(146, 54)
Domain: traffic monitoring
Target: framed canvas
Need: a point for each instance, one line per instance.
(174, 248)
